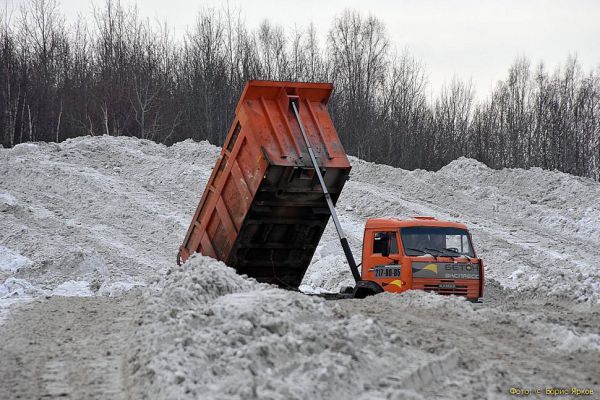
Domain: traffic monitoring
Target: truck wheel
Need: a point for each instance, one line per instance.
(366, 288)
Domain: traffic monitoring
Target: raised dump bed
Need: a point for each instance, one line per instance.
(263, 211)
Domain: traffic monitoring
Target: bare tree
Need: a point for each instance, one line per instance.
(358, 50)
(126, 76)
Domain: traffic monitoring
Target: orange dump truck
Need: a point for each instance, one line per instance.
(274, 188)
(262, 211)
(420, 253)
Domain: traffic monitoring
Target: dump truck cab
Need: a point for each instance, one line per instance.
(421, 253)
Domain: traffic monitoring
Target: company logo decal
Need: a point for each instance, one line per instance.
(431, 267)
(445, 270)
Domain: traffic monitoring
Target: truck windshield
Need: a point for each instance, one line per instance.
(437, 241)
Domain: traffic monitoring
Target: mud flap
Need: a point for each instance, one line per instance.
(366, 288)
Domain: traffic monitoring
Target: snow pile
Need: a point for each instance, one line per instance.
(112, 289)
(99, 209)
(557, 333)
(103, 215)
(11, 260)
(13, 287)
(14, 290)
(96, 215)
(73, 288)
(112, 211)
(212, 333)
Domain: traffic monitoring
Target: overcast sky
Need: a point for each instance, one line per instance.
(475, 39)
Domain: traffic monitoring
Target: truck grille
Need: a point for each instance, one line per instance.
(458, 290)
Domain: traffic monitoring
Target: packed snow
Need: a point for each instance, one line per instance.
(78, 211)
(11, 260)
(103, 217)
(537, 230)
(236, 338)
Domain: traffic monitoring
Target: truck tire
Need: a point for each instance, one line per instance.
(366, 288)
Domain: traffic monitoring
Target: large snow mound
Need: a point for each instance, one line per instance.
(212, 333)
(106, 212)
(101, 215)
(112, 212)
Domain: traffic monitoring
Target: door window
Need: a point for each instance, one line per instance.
(383, 241)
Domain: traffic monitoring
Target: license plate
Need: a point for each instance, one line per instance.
(387, 272)
(447, 286)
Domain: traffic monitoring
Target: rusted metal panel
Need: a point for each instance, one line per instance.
(263, 211)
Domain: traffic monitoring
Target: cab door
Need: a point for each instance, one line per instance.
(378, 266)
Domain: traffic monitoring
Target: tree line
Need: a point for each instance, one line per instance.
(118, 74)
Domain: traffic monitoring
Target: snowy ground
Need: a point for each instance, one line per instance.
(90, 306)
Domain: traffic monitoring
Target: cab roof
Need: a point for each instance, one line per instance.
(395, 223)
